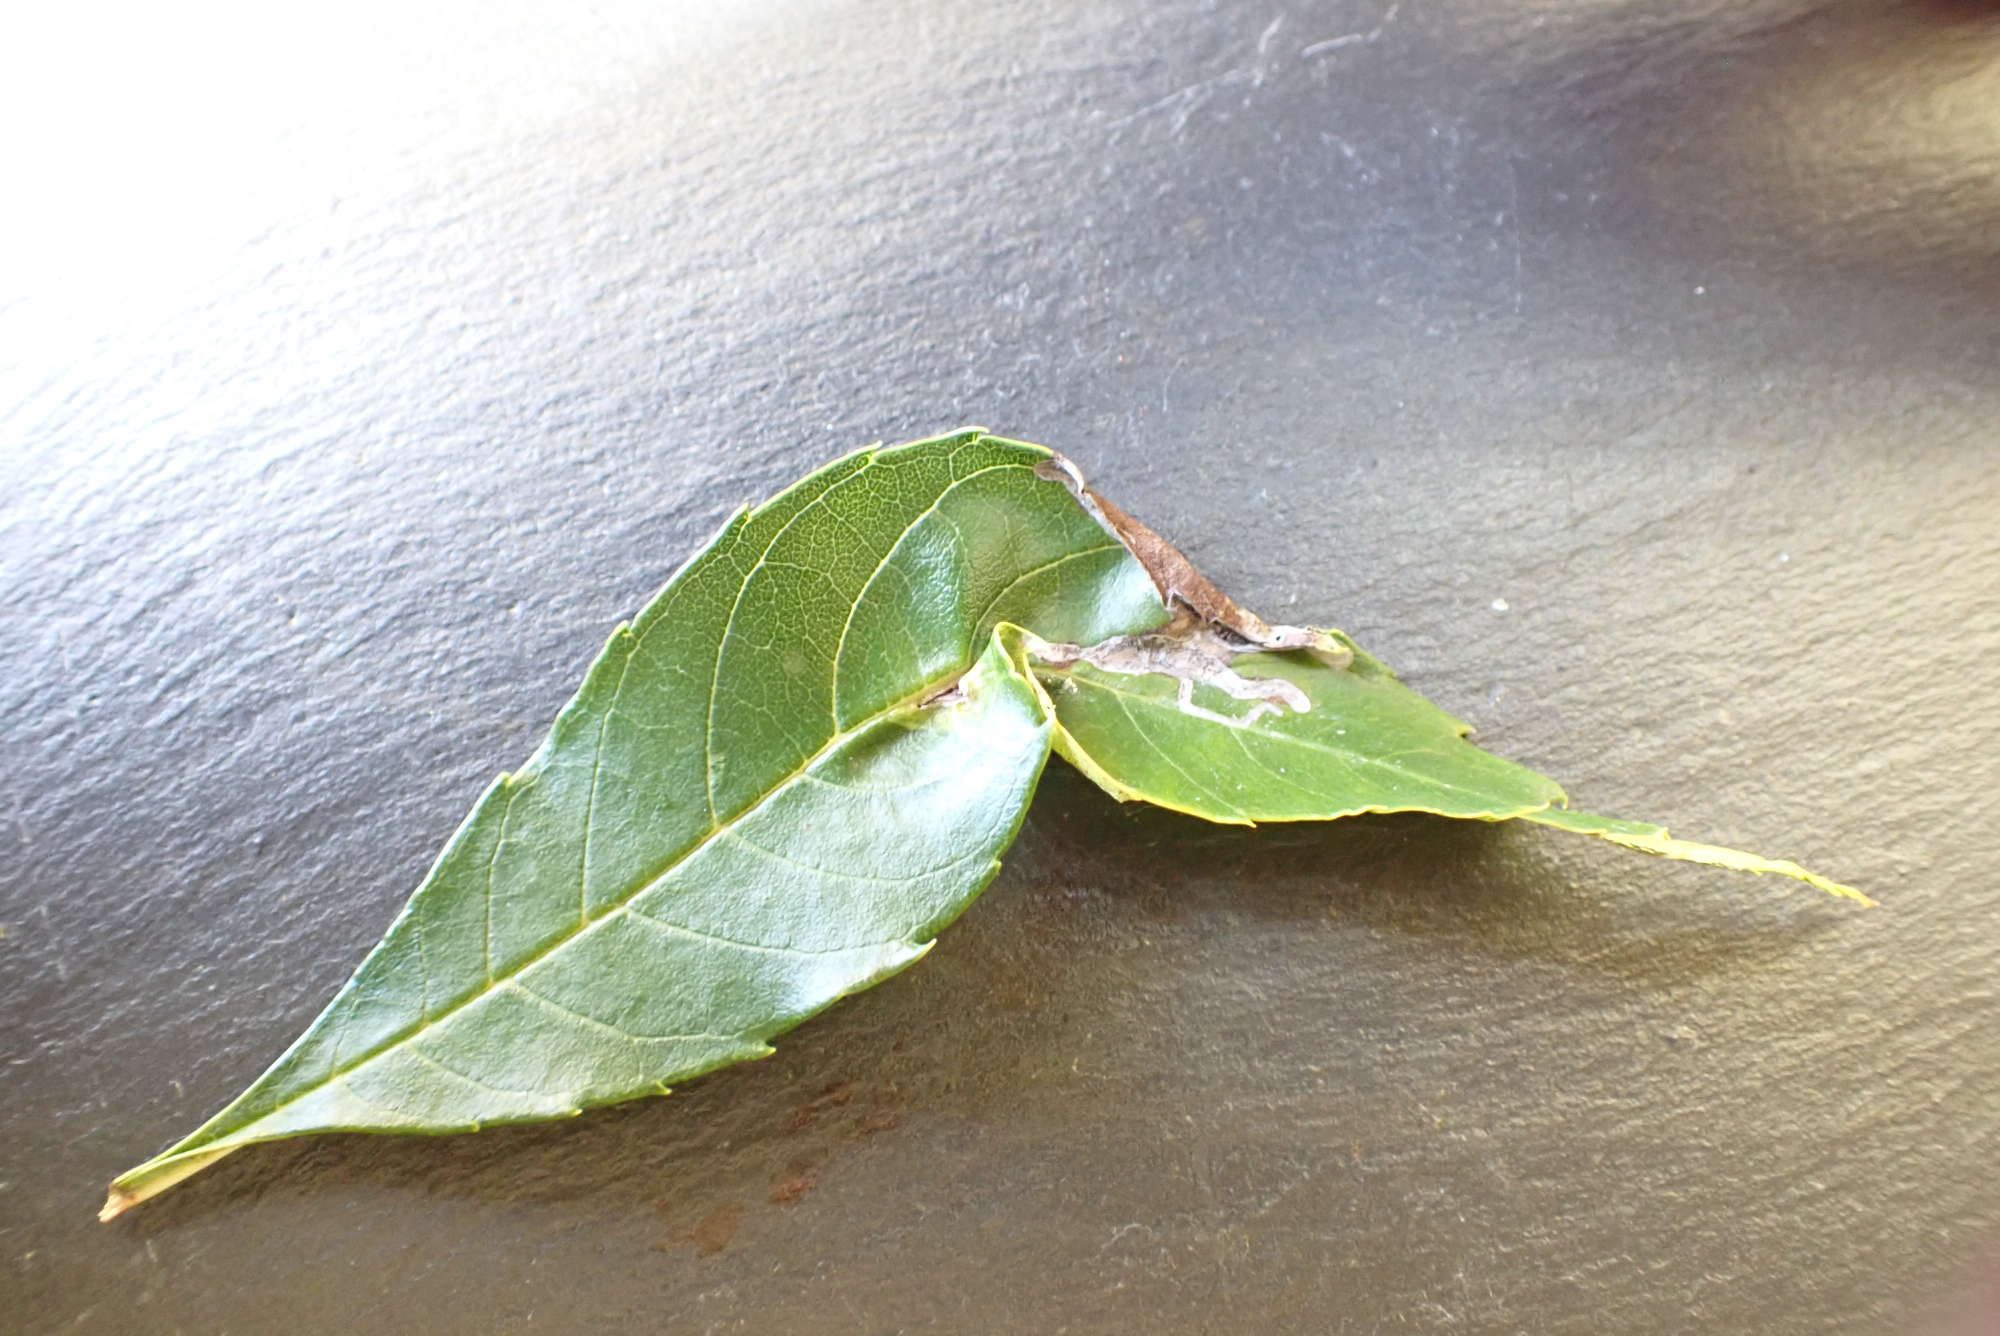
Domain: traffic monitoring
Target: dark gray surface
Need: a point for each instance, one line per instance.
(362, 376)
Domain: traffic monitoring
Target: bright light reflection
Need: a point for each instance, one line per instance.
(147, 144)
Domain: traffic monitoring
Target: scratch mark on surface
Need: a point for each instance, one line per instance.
(1185, 102)
(1190, 100)
(1371, 35)
(1270, 31)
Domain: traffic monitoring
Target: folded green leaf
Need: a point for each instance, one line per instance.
(758, 802)
(805, 757)
(1176, 719)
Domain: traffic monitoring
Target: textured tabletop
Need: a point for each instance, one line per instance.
(1626, 374)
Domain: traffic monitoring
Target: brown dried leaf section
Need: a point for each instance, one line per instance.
(1207, 631)
(1191, 596)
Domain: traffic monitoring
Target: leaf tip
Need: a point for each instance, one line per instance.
(155, 1176)
(1845, 892)
(1651, 839)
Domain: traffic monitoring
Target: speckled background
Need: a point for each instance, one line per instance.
(1626, 372)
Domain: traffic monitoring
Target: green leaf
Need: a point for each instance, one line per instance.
(1180, 720)
(766, 795)
(803, 760)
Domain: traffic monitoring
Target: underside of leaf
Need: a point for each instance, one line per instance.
(1362, 743)
(1244, 738)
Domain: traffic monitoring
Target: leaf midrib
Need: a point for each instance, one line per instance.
(499, 981)
(719, 826)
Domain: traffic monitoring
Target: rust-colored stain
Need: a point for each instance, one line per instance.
(712, 1233)
(834, 1096)
(717, 1228)
(877, 1120)
(799, 1178)
(884, 1108)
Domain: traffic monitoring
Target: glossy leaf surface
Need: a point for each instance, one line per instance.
(751, 808)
